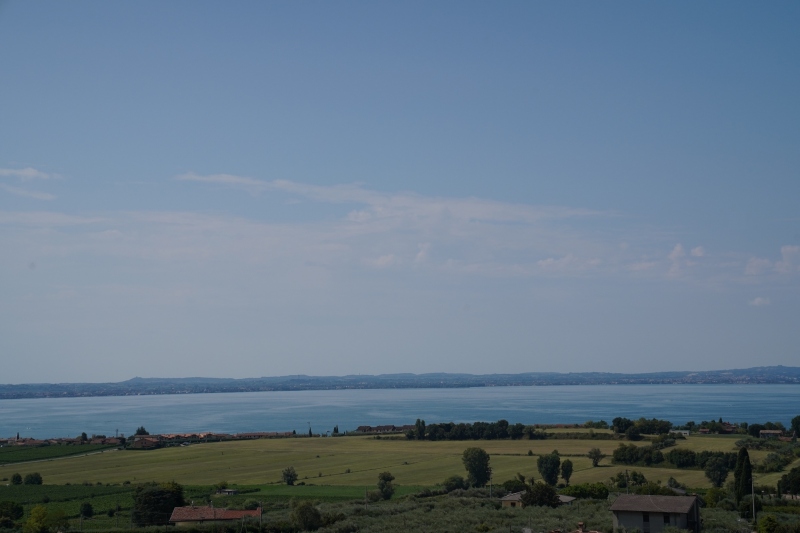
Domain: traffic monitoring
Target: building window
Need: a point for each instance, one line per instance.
(646, 518)
(666, 518)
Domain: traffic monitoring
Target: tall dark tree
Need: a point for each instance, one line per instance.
(16, 479)
(566, 470)
(790, 482)
(795, 427)
(548, 466)
(420, 429)
(742, 475)
(476, 462)
(140, 431)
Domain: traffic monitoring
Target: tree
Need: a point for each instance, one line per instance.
(310, 434)
(87, 511)
(476, 462)
(16, 479)
(621, 425)
(37, 521)
(548, 467)
(140, 431)
(385, 486)
(9, 512)
(455, 482)
(289, 475)
(716, 471)
(305, 516)
(795, 426)
(633, 433)
(33, 479)
(742, 475)
(767, 524)
(566, 470)
(153, 503)
(541, 494)
(419, 429)
(790, 482)
(84, 437)
(596, 456)
(11, 509)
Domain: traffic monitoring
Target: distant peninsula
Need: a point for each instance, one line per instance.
(149, 386)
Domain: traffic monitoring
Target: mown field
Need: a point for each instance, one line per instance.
(349, 461)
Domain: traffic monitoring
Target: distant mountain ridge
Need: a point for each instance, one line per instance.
(196, 385)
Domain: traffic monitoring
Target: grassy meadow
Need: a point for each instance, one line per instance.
(349, 462)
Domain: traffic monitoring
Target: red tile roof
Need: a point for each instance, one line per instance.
(203, 514)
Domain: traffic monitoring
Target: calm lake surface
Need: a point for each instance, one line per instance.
(286, 411)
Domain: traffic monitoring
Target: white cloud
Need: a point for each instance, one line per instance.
(552, 264)
(385, 205)
(698, 251)
(36, 195)
(790, 260)
(26, 174)
(759, 302)
(757, 265)
(676, 256)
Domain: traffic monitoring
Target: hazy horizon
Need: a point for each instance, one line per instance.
(195, 188)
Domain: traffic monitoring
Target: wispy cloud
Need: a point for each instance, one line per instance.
(384, 205)
(759, 302)
(26, 193)
(27, 174)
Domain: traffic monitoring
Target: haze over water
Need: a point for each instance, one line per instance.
(321, 410)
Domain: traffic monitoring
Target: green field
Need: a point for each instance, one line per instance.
(326, 461)
(20, 454)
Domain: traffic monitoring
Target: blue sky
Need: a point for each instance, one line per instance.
(250, 189)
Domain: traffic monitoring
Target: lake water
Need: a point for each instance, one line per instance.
(286, 411)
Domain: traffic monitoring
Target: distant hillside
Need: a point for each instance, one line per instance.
(144, 386)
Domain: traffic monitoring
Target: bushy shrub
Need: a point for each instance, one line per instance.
(305, 516)
(33, 479)
(455, 482)
(594, 491)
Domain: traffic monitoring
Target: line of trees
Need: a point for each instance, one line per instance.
(682, 458)
(644, 426)
(473, 431)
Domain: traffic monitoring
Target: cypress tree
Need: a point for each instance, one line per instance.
(743, 475)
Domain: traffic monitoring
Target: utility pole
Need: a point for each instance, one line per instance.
(753, 493)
